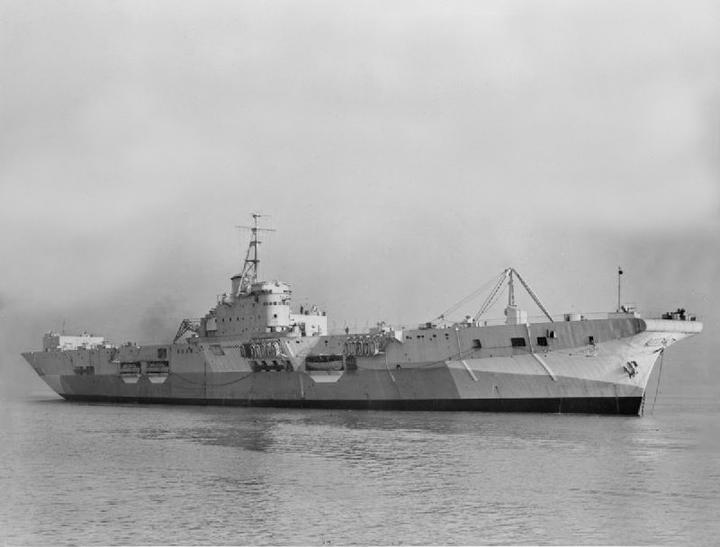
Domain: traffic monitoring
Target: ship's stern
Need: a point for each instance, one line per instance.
(45, 368)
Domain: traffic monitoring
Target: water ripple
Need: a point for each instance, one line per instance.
(113, 475)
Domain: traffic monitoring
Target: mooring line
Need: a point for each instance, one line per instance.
(657, 388)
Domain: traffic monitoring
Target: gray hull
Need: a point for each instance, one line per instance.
(253, 389)
(430, 369)
(252, 349)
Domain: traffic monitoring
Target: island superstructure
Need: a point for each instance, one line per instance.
(254, 349)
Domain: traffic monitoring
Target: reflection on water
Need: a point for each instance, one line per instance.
(106, 474)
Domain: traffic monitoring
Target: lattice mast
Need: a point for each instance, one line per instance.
(249, 273)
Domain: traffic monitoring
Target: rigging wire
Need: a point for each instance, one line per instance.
(465, 300)
(495, 294)
(490, 303)
(498, 289)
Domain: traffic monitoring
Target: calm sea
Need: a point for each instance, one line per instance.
(104, 474)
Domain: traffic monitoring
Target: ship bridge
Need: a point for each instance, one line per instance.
(256, 307)
(264, 309)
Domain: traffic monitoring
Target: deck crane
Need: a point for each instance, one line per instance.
(508, 274)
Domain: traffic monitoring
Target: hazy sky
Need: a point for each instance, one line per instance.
(407, 152)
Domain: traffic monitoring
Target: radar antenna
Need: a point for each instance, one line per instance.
(249, 273)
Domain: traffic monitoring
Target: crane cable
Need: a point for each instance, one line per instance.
(469, 297)
(494, 295)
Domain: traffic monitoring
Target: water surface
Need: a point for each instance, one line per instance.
(150, 474)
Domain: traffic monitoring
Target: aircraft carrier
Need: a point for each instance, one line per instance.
(254, 349)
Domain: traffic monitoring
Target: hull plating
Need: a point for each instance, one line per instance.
(423, 370)
(436, 389)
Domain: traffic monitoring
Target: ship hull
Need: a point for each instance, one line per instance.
(444, 388)
(433, 369)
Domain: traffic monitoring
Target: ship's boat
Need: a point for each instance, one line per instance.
(253, 349)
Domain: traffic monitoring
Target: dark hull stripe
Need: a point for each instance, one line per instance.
(572, 405)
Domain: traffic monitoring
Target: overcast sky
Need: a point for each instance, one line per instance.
(407, 152)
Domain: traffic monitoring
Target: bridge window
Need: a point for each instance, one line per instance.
(542, 341)
(517, 342)
(477, 344)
